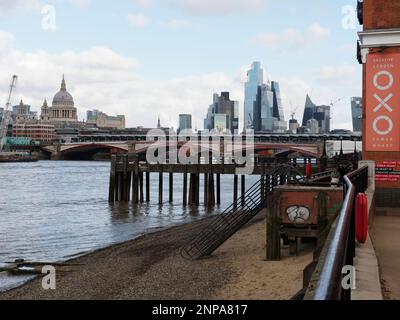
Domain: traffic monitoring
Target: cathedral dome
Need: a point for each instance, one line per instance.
(63, 97)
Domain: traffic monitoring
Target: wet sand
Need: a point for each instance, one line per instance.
(151, 267)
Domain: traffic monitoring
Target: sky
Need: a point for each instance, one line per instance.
(150, 58)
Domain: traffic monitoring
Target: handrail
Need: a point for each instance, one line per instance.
(339, 248)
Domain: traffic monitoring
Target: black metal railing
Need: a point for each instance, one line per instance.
(231, 220)
(339, 248)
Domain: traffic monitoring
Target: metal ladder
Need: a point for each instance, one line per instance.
(229, 222)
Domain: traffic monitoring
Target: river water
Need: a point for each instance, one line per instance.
(55, 210)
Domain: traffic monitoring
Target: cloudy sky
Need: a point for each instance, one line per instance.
(145, 58)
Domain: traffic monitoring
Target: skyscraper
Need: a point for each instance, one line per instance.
(255, 79)
(185, 122)
(222, 114)
(322, 114)
(356, 112)
(267, 110)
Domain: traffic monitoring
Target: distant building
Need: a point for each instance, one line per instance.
(293, 125)
(322, 114)
(22, 113)
(356, 112)
(102, 120)
(38, 131)
(268, 111)
(185, 122)
(255, 78)
(63, 106)
(222, 114)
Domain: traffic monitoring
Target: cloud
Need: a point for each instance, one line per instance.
(35, 6)
(206, 7)
(6, 6)
(81, 3)
(138, 20)
(175, 24)
(292, 38)
(6, 41)
(340, 75)
(100, 78)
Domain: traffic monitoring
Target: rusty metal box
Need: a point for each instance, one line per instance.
(307, 206)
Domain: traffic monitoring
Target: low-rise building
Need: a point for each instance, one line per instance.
(102, 120)
(38, 131)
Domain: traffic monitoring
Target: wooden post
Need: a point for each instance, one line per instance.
(160, 188)
(218, 189)
(116, 196)
(197, 189)
(243, 187)
(212, 190)
(171, 187)
(119, 195)
(235, 188)
(141, 187)
(206, 190)
(124, 191)
(135, 181)
(273, 231)
(128, 191)
(185, 178)
(111, 191)
(147, 186)
(191, 189)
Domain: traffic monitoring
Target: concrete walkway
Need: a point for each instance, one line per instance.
(367, 273)
(385, 234)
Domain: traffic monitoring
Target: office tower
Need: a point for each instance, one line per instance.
(293, 125)
(254, 80)
(185, 122)
(356, 113)
(268, 111)
(322, 114)
(222, 114)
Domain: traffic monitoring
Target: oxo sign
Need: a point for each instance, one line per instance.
(383, 102)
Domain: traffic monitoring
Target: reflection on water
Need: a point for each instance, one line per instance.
(52, 211)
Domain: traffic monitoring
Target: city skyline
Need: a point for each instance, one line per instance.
(163, 63)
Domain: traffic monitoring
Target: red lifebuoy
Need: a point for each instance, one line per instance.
(361, 218)
(308, 170)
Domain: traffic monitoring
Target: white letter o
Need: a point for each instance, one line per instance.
(386, 132)
(383, 73)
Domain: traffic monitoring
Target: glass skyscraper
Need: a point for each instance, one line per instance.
(255, 79)
(356, 111)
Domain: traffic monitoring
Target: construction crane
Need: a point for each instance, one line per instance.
(333, 103)
(6, 113)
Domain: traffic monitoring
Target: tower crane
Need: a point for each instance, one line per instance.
(6, 114)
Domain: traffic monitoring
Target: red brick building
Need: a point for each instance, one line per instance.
(43, 132)
(380, 55)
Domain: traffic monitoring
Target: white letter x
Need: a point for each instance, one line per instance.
(383, 103)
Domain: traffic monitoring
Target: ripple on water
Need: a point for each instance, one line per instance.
(55, 210)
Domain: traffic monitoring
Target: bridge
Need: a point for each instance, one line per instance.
(86, 150)
(270, 137)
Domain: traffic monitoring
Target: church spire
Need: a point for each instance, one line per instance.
(63, 85)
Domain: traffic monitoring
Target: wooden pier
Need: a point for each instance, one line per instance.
(130, 179)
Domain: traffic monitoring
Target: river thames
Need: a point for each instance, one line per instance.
(55, 210)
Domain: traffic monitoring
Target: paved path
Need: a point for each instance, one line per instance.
(385, 235)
